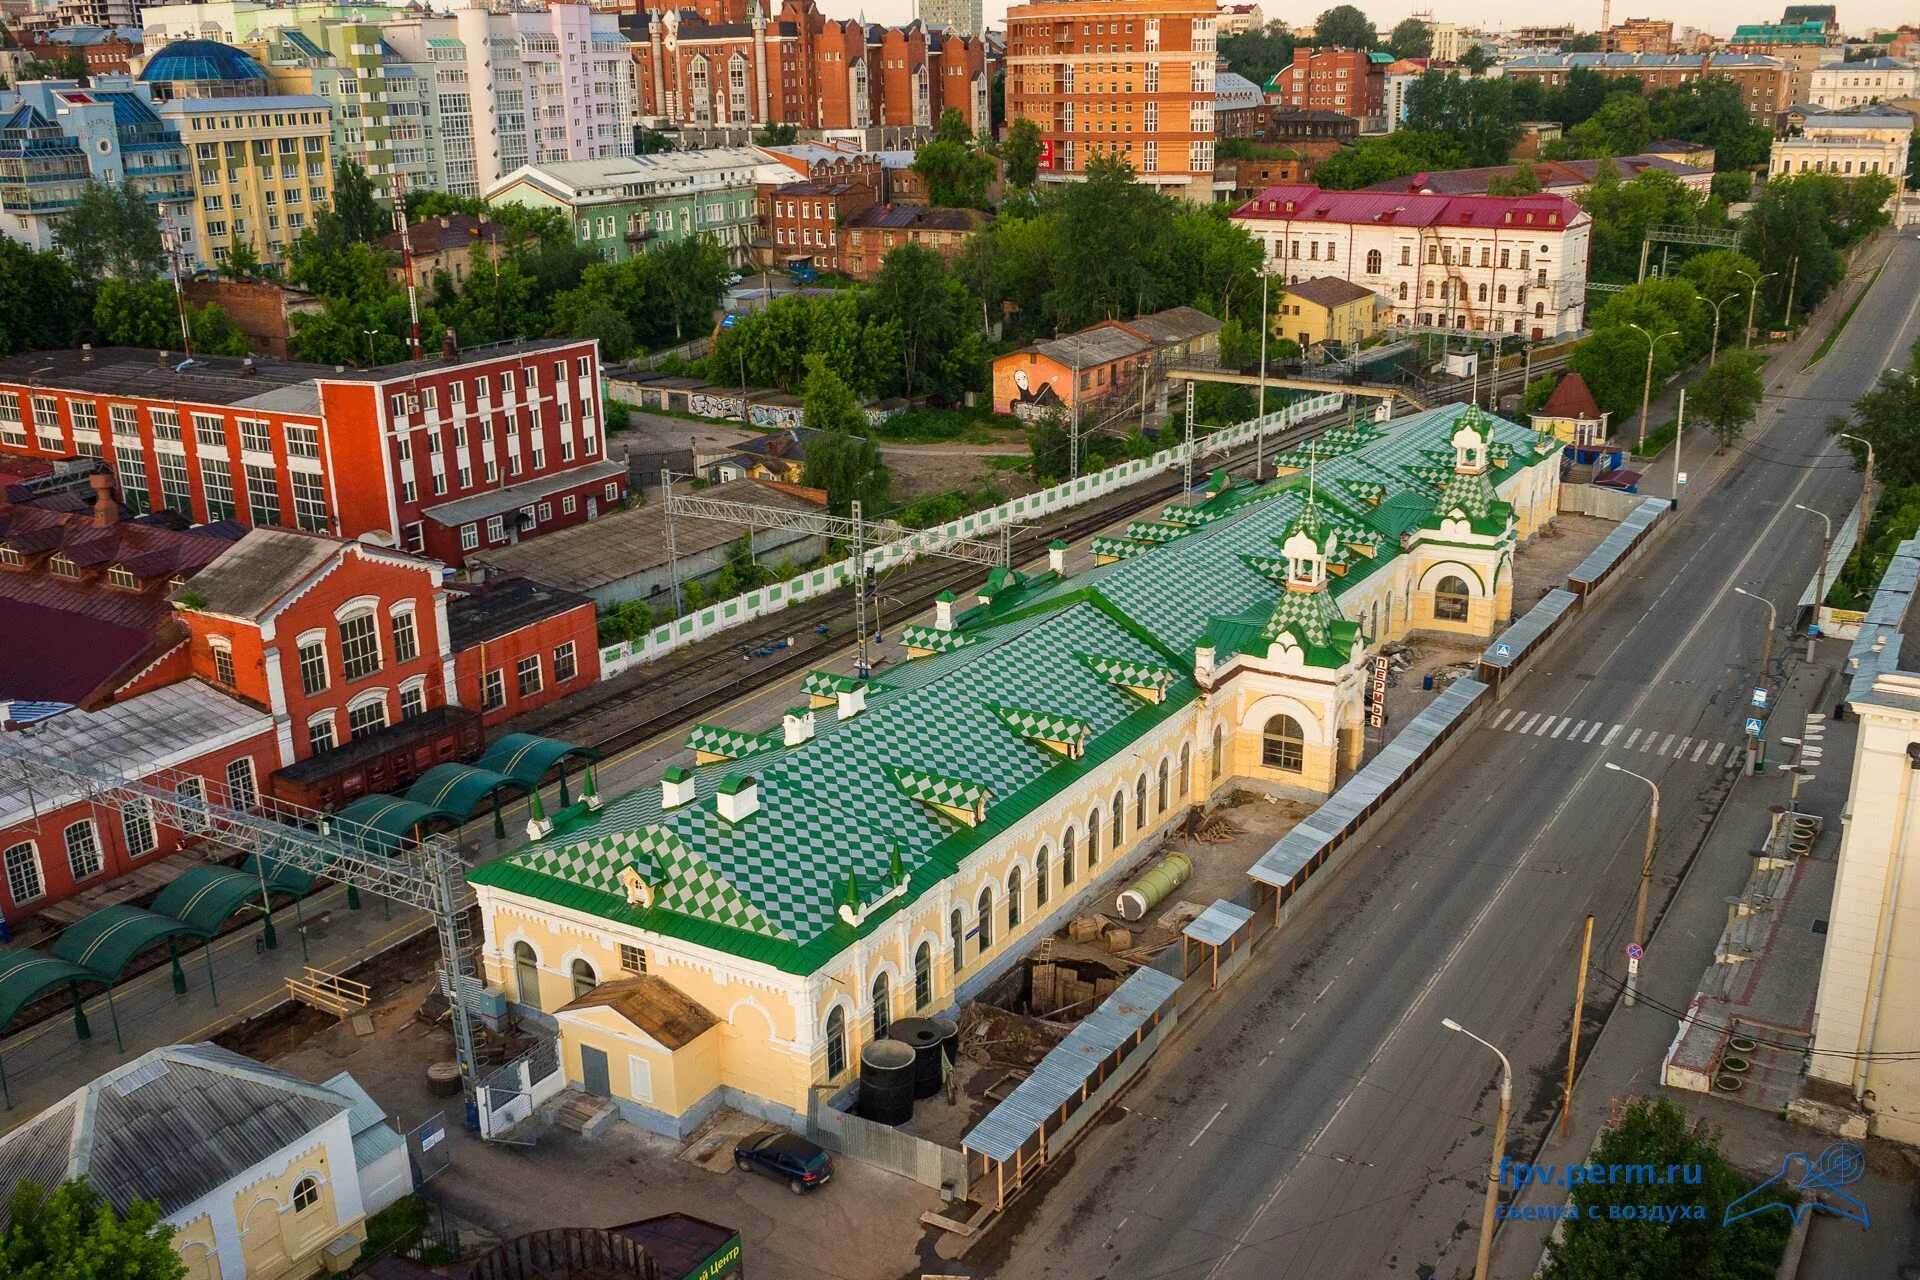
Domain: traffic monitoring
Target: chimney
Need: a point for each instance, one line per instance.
(1057, 556)
(106, 511)
(943, 611)
(449, 346)
(86, 353)
(738, 798)
(676, 787)
(797, 726)
(852, 701)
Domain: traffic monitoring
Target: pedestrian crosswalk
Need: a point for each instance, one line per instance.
(1621, 739)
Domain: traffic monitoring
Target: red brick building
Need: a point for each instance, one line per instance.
(805, 69)
(519, 645)
(872, 235)
(1351, 82)
(439, 456)
(809, 219)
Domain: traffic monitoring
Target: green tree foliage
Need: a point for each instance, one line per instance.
(772, 346)
(1523, 181)
(1732, 188)
(358, 296)
(1585, 42)
(1344, 27)
(362, 216)
(40, 300)
(1712, 111)
(931, 318)
(1475, 60)
(957, 175)
(215, 333)
(126, 314)
(1623, 210)
(1396, 155)
(1720, 273)
(423, 203)
(71, 1233)
(242, 262)
(1411, 39)
(68, 66)
(1728, 394)
(1613, 362)
(1020, 152)
(1259, 53)
(1596, 1247)
(1660, 306)
(1115, 236)
(1586, 89)
(1051, 444)
(842, 461)
(1623, 126)
(1887, 415)
(1479, 115)
(1800, 225)
(1538, 392)
(653, 300)
(110, 231)
(776, 135)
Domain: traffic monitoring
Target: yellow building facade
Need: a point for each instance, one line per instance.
(893, 845)
(262, 171)
(1329, 309)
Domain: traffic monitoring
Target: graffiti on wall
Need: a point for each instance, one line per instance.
(708, 403)
(774, 416)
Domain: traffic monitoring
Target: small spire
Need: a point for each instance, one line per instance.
(851, 898)
(894, 866)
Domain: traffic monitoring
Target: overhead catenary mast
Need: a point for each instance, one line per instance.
(406, 257)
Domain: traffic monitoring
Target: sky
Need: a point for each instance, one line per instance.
(1717, 16)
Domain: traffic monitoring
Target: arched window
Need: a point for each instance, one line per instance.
(1503, 293)
(1119, 820)
(1140, 804)
(1013, 900)
(1483, 293)
(1283, 745)
(1042, 870)
(1066, 856)
(526, 975)
(1429, 289)
(923, 976)
(957, 939)
(1450, 599)
(306, 1194)
(584, 978)
(1539, 310)
(882, 1006)
(986, 919)
(1093, 838)
(1219, 752)
(1164, 781)
(1186, 770)
(836, 1041)
(1373, 262)
(1403, 291)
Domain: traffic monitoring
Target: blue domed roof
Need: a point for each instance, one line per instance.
(201, 60)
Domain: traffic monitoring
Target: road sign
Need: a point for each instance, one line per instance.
(1760, 696)
(1503, 651)
(1683, 477)
(1635, 951)
(1755, 726)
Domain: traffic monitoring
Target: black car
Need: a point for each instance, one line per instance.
(781, 1154)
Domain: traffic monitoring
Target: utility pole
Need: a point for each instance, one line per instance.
(1793, 279)
(1820, 574)
(1073, 432)
(406, 254)
(1186, 461)
(1679, 434)
(1646, 881)
(1260, 430)
(1866, 486)
(1573, 1036)
(673, 556)
(1480, 1269)
(179, 298)
(861, 666)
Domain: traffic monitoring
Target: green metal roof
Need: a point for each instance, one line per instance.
(525, 757)
(381, 824)
(461, 788)
(105, 942)
(957, 728)
(204, 897)
(25, 976)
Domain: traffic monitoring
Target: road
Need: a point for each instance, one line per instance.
(1318, 1120)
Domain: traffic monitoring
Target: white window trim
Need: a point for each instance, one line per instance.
(321, 717)
(354, 606)
(366, 699)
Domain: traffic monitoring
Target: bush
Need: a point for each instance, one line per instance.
(395, 1229)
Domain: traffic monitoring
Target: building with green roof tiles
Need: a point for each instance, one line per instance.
(888, 848)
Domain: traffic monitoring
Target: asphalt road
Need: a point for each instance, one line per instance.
(1319, 1121)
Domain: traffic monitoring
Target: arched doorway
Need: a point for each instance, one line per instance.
(1450, 596)
(526, 975)
(1283, 745)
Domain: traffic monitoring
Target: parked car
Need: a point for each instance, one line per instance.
(780, 1154)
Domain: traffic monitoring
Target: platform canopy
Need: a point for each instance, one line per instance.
(461, 788)
(205, 897)
(281, 877)
(526, 757)
(380, 824)
(25, 976)
(105, 942)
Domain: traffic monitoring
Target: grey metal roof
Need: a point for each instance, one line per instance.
(1070, 1064)
(1620, 541)
(1837, 555)
(170, 1126)
(498, 502)
(373, 1137)
(1093, 347)
(1519, 637)
(261, 568)
(1175, 324)
(1377, 778)
(1218, 923)
(1881, 646)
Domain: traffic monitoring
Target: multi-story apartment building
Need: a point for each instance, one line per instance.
(1641, 35)
(1756, 36)
(262, 162)
(57, 136)
(621, 207)
(1129, 79)
(1350, 81)
(1447, 40)
(440, 456)
(104, 50)
(384, 109)
(1481, 264)
(963, 17)
(804, 69)
(1765, 83)
(1237, 19)
(872, 235)
(1840, 85)
(1870, 139)
(237, 21)
(811, 218)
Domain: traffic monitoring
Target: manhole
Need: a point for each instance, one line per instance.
(1819, 926)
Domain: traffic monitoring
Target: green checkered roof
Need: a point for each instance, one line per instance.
(825, 684)
(1044, 726)
(732, 743)
(1118, 548)
(834, 812)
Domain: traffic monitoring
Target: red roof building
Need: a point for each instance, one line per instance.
(1571, 414)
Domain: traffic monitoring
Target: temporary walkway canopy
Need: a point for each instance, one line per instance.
(106, 941)
(203, 897)
(460, 788)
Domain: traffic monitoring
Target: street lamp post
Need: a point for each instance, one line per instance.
(1820, 574)
(1482, 1262)
(1646, 879)
(1766, 667)
(1753, 294)
(371, 335)
(1866, 485)
(1714, 353)
(1646, 387)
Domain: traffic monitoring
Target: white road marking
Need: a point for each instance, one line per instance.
(1681, 750)
(1631, 739)
(1545, 725)
(1668, 743)
(1576, 731)
(1651, 738)
(1325, 989)
(1501, 718)
(1593, 732)
(1612, 733)
(1563, 727)
(1718, 747)
(1529, 724)
(1203, 1130)
(1700, 751)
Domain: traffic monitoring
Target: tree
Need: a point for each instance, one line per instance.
(957, 175)
(1411, 39)
(1050, 443)
(1476, 59)
(1344, 27)
(1887, 416)
(1719, 273)
(1623, 126)
(1622, 212)
(1538, 392)
(1728, 394)
(930, 315)
(143, 313)
(1655, 1131)
(1020, 151)
(1115, 236)
(843, 463)
(1259, 53)
(110, 231)
(1795, 231)
(242, 262)
(361, 215)
(1477, 114)
(68, 66)
(1613, 363)
(1398, 154)
(40, 300)
(1585, 42)
(72, 1233)
(215, 333)
(776, 135)
(1523, 181)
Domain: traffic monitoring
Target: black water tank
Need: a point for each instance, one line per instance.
(886, 1082)
(923, 1037)
(949, 1038)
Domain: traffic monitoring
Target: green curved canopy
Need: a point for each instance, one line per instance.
(525, 757)
(461, 788)
(204, 897)
(379, 824)
(281, 877)
(25, 976)
(105, 942)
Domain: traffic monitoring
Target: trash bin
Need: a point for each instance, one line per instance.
(1426, 682)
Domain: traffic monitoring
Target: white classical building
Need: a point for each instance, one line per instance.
(1479, 264)
(1855, 84)
(1870, 139)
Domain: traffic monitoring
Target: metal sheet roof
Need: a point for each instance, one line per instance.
(1837, 555)
(25, 976)
(1617, 543)
(1278, 865)
(1218, 923)
(1528, 629)
(107, 940)
(1070, 1064)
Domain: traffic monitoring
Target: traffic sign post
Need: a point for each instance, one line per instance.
(1503, 650)
(1634, 952)
(1761, 697)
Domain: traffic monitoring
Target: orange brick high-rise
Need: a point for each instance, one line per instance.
(1126, 78)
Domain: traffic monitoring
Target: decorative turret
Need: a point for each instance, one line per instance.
(1306, 554)
(1470, 443)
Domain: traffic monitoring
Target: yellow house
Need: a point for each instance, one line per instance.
(735, 934)
(1329, 309)
(1570, 414)
(261, 1174)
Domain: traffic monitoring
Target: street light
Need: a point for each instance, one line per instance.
(1646, 388)
(371, 335)
(1646, 879)
(1714, 354)
(1753, 293)
(1499, 1149)
(1866, 485)
(1766, 649)
(1820, 574)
